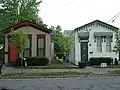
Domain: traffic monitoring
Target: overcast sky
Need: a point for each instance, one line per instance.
(70, 14)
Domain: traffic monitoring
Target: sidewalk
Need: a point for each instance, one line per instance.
(6, 70)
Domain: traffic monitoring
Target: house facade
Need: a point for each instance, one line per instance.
(95, 39)
(39, 41)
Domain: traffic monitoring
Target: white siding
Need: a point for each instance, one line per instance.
(72, 52)
(92, 47)
(77, 49)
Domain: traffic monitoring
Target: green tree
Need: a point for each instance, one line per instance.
(56, 34)
(58, 29)
(18, 39)
(14, 11)
(117, 46)
(65, 43)
(62, 43)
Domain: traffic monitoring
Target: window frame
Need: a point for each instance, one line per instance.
(30, 48)
(99, 45)
(110, 40)
(44, 49)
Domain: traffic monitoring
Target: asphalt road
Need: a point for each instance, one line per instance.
(78, 83)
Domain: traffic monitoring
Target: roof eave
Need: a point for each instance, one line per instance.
(27, 23)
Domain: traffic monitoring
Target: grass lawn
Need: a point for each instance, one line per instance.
(115, 72)
(50, 66)
(52, 74)
(55, 64)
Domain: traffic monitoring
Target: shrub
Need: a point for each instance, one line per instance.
(37, 61)
(98, 61)
(60, 55)
(116, 62)
(32, 61)
(55, 61)
(18, 62)
(81, 65)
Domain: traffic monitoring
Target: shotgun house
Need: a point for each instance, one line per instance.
(95, 39)
(39, 41)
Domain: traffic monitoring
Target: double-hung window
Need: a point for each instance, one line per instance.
(41, 46)
(27, 50)
(99, 43)
(108, 44)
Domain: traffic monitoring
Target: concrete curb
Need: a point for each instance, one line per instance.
(45, 76)
(66, 76)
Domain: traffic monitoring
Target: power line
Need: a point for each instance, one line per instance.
(115, 17)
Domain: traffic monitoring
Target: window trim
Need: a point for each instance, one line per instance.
(44, 37)
(100, 45)
(30, 37)
(110, 39)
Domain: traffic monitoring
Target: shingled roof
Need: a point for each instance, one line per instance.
(27, 23)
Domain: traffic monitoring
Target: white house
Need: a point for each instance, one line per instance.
(95, 39)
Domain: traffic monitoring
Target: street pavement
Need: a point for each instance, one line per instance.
(77, 83)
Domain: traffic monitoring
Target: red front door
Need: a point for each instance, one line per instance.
(12, 53)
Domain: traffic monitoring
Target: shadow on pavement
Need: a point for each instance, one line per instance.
(6, 89)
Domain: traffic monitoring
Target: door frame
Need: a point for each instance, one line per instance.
(9, 61)
(86, 41)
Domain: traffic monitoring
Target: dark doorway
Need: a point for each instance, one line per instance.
(84, 51)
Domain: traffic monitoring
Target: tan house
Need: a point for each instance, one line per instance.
(39, 41)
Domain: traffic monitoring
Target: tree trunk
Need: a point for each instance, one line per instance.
(119, 55)
(21, 70)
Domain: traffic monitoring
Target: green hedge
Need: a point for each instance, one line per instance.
(37, 61)
(33, 61)
(98, 61)
(18, 62)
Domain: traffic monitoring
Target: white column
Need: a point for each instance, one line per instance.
(79, 51)
(34, 42)
(103, 45)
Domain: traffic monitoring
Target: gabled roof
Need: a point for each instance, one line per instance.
(96, 21)
(27, 23)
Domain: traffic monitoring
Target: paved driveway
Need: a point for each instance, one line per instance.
(78, 83)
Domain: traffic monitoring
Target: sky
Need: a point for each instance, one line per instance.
(70, 14)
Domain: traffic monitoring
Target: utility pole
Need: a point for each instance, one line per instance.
(18, 11)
